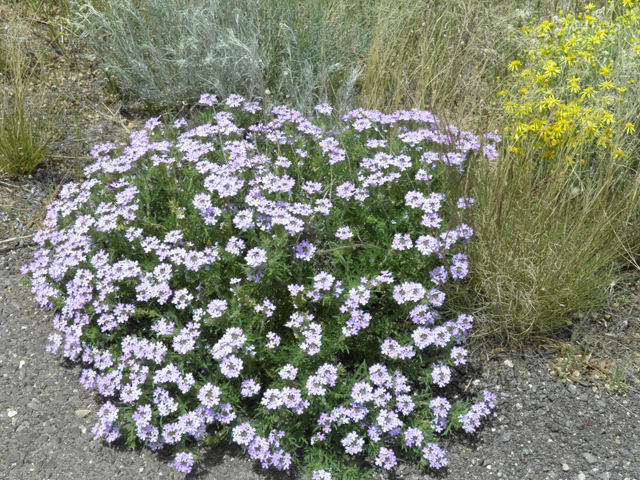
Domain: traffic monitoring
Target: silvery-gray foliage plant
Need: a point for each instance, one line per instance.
(165, 53)
(275, 284)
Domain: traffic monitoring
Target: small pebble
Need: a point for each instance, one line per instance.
(565, 467)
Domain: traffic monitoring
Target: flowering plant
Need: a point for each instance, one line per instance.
(575, 86)
(275, 283)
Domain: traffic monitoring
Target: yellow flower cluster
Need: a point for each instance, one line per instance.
(575, 82)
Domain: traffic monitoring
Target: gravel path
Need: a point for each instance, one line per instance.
(542, 428)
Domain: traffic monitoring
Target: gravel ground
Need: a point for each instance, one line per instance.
(541, 429)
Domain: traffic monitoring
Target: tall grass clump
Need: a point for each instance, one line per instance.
(166, 53)
(273, 284)
(440, 54)
(556, 215)
(27, 120)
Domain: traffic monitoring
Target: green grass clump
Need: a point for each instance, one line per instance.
(27, 119)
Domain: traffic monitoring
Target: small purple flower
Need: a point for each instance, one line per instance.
(460, 266)
(321, 475)
(459, 356)
(235, 246)
(288, 372)
(312, 188)
(438, 275)
(183, 462)
(208, 99)
(271, 399)
(256, 257)
(274, 340)
(162, 327)
(346, 190)
(408, 292)
(234, 100)
(344, 233)
(315, 386)
(352, 443)
(441, 374)
(243, 434)
(362, 392)
(305, 250)
(216, 308)
(401, 242)
(209, 395)
(386, 459)
(379, 376)
(243, 220)
(323, 281)
(465, 202)
(405, 404)
(434, 455)
(324, 109)
(250, 388)
(231, 366)
(413, 436)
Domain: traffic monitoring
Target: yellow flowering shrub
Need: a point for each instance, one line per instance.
(574, 91)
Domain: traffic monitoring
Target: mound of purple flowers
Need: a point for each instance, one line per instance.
(267, 282)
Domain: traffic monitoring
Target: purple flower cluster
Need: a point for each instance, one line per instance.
(107, 416)
(471, 420)
(250, 211)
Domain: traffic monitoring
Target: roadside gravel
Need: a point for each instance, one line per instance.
(541, 429)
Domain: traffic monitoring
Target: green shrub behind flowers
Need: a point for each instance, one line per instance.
(273, 284)
(574, 91)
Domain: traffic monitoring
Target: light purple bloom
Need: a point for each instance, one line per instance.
(208, 99)
(235, 246)
(243, 220)
(272, 399)
(250, 388)
(321, 475)
(256, 257)
(231, 366)
(413, 436)
(401, 242)
(234, 100)
(441, 374)
(435, 456)
(323, 281)
(362, 392)
(352, 443)
(243, 434)
(209, 395)
(438, 275)
(408, 292)
(162, 327)
(305, 250)
(274, 340)
(465, 202)
(324, 109)
(459, 356)
(386, 459)
(216, 308)
(460, 266)
(344, 233)
(288, 372)
(183, 462)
